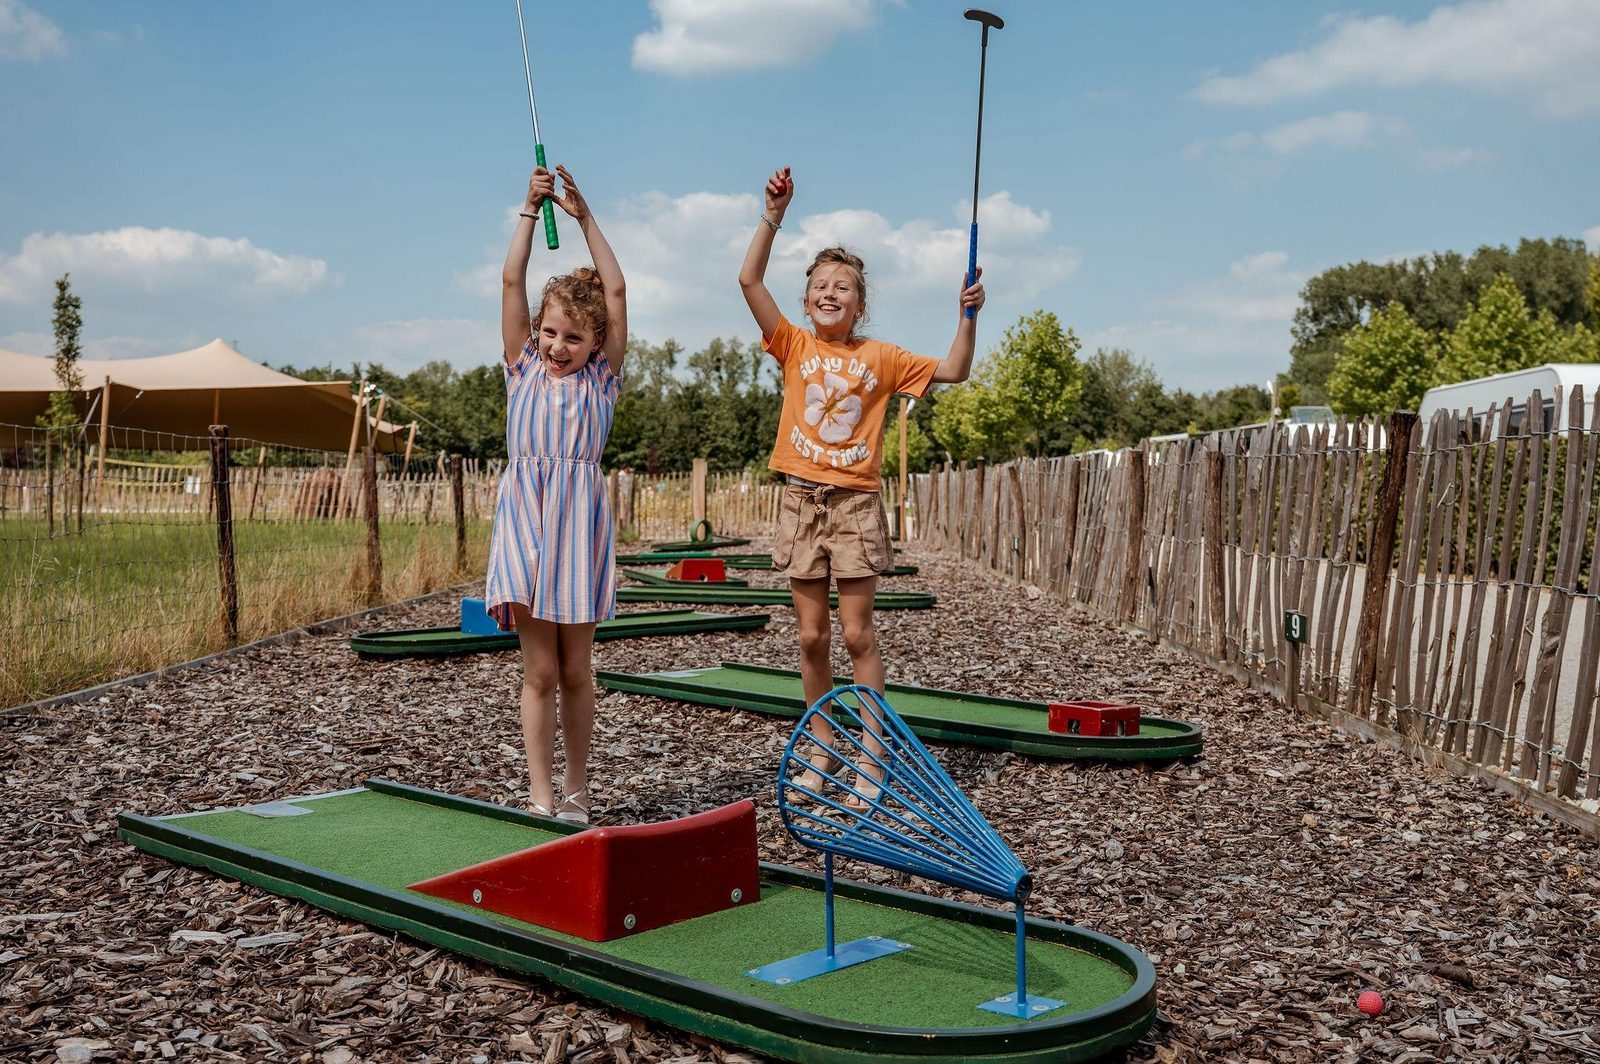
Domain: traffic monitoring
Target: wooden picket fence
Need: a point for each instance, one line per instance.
(1437, 583)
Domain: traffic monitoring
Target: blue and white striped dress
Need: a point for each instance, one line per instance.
(552, 547)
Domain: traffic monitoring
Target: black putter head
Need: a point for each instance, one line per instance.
(988, 18)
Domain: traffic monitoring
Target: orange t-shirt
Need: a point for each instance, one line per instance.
(835, 397)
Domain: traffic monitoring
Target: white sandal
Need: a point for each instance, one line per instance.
(577, 813)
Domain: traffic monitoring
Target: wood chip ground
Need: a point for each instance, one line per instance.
(1271, 881)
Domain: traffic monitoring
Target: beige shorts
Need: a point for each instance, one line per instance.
(827, 531)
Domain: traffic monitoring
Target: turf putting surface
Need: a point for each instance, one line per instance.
(761, 596)
(948, 716)
(355, 852)
(442, 642)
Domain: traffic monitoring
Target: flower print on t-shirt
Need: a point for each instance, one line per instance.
(831, 409)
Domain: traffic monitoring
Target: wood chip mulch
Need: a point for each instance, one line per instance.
(1271, 881)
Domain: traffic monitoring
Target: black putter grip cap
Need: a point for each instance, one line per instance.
(986, 17)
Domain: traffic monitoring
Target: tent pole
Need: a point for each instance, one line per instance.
(355, 434)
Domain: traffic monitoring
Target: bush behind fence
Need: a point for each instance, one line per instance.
(1446, 573)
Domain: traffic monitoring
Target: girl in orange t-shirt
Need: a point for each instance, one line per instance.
(836, 390)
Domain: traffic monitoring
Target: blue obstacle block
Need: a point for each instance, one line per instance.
(856, 782)
(474, 620)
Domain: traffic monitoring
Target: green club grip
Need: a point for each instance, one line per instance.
(551, 240)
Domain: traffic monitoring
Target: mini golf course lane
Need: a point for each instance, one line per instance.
(659, 578)
(732, 561)
(356, 851)
(949, 716)
(711, 594)
(442, 642)
(713, 543)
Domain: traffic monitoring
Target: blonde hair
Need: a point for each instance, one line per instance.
(580, 293)
(840, 256)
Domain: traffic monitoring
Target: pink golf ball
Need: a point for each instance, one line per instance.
(1370, 1002)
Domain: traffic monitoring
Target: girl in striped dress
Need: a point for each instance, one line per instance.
(552, 573)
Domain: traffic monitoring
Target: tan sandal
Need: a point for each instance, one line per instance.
(812, 779)
(870, 791)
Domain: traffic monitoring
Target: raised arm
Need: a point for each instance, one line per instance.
(956, 366)
(615, 345)
(752, 275)
(515, 324)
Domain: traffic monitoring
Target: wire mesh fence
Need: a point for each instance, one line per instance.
(112, 561)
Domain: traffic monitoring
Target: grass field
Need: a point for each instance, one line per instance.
(125, 596)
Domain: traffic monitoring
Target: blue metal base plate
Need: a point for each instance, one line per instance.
(1007, 1005)
(817, 962)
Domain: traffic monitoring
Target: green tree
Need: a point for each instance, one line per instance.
(1036, 378)
(1437, 290)
(61, 417)
(1497, 335)
(1386, 365)
(966, 422)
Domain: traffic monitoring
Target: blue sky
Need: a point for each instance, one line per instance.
(335, 182)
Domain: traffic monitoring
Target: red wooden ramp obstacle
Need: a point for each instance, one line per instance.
(605, 883)
(707, 570)
(1087, 717)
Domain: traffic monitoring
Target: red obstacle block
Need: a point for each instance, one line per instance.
(710, 570)
(605, 883)
(1094, 718)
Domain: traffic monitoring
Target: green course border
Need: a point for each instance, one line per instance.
(413, 642)
(1142, 747)
(660, 579)
(657, 994)
(714, 543)
(763, 596)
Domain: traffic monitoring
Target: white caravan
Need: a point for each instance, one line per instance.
(1516, 388)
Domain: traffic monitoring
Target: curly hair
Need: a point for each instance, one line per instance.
(840, 256)
(580, 293)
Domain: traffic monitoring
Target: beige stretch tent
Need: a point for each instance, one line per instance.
(186, 393)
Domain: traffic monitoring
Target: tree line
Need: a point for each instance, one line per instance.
(1370, 338)
(1031, 394)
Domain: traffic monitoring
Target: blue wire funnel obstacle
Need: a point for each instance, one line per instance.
(854, 781)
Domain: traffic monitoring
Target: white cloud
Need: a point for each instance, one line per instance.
(407, 344)
(1232, 329)
(26, 34)
(137, 259)
(1592, 238)
(681, 257)
(717, 36)
(1442, 158)
(1341, 129)
(1540, 50)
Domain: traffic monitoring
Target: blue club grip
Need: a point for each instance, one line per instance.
(972, 268)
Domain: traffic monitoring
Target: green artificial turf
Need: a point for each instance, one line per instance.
(922, 702)
(391, 842)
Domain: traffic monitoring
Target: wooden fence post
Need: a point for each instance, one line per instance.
(459, 503)
(227, 573)
(697, 492)
(1215, 599)
(1069, 534)
(369, 477)
(1379, 554)
(1133, 562)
